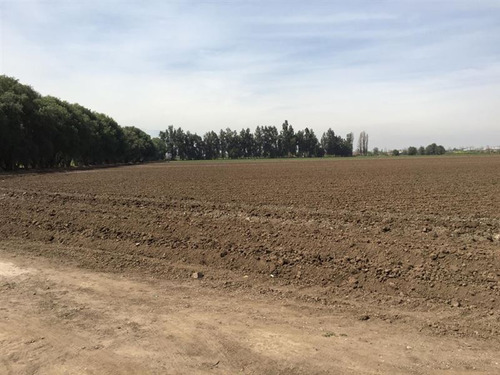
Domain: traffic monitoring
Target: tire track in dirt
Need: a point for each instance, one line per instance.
(58, 319)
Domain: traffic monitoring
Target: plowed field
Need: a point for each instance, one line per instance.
(415, 240)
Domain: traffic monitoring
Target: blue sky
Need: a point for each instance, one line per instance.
(406, 72)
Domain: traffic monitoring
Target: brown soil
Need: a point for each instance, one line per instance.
(412, 246)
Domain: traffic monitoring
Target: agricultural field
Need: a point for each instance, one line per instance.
(355, 266)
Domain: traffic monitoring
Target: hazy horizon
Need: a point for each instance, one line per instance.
(406, 73)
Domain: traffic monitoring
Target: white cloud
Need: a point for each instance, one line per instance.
(404, 74)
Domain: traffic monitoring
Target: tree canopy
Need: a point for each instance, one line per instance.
(266, 142)
(45, 132)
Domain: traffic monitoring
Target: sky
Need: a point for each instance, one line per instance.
(406, 72)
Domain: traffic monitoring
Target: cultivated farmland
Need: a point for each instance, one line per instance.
(412, 243)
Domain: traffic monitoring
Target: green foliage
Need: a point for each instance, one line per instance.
(265, 142)
(432, 149)
(212, 145)
(307, 144)
(412, 150)
(336, 145)
(17, 114)
(287, 140)
(247, 143)
(270, 147)
(138, 145)
(45, 132)
(160, 149)
(232, 143)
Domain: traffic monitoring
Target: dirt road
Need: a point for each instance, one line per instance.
(56, 318)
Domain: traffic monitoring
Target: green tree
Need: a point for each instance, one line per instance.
(194, 146)
(111, 139)
(55, 135)
(259, 140)
(233, 144)
(349, 144)
(247, 143)
(434, 149)
(270, 146)
(138, 145)
(160, 148)
(336, 145)
(18, 109)
(44, 131)
(212, 145)
(330, 142)
(169, 137)
(287, 140)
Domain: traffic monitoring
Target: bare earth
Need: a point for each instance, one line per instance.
(62, 320)
(310, 267)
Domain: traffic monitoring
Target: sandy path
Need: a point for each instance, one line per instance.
(58, 319)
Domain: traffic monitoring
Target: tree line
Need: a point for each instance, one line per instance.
(45, 132)
(265, 142)
(432, 149)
